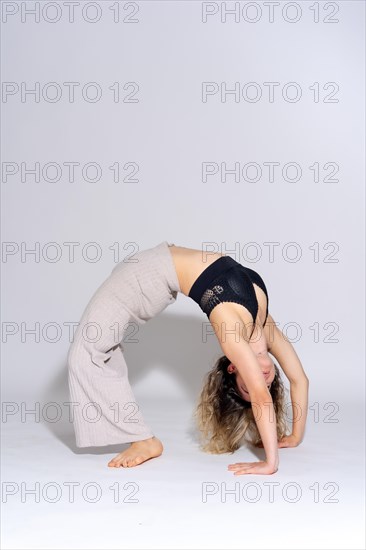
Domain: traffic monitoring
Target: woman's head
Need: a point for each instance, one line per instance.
(224, 412)
(268, 370)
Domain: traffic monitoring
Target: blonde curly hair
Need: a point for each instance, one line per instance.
(225, 419)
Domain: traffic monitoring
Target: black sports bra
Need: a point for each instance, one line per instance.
(226, 280)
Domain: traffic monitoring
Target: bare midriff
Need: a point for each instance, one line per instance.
(190, 263)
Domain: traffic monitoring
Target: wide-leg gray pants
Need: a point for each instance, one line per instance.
(104, 408)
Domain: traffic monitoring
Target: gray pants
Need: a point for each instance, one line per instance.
(104, 408)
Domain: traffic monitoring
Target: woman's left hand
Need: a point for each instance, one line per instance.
(261, 468)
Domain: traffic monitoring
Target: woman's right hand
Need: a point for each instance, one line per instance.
(286, 441)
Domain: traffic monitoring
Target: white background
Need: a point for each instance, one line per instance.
(169, 133)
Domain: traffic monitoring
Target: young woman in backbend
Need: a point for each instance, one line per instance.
(243, 394)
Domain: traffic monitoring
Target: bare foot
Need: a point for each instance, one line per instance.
(138, 452)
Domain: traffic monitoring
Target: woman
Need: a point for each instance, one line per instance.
(242, 394)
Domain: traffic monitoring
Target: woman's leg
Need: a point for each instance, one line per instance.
(104, 407)
(105, 410)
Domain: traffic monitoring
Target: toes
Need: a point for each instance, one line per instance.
(127, 461)
(115, 462)
(130, 462)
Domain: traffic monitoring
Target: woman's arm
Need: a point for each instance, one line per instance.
(299, 397)
(283, 351)
(238, 351)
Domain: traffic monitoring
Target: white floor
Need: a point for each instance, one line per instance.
(185, 498)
